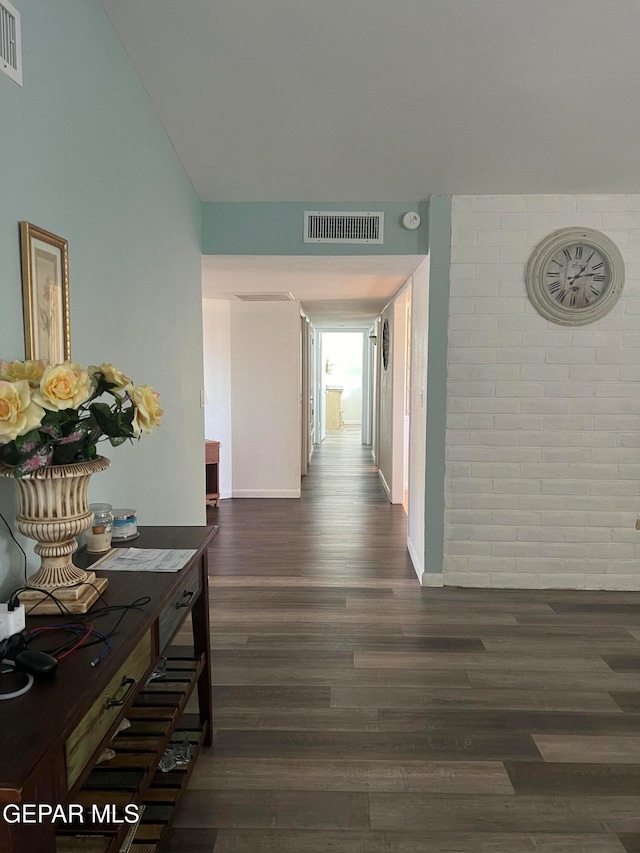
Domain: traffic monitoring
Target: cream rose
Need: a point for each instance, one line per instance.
(30, 370)
(63, 386)
(147, 411)
(18, 413)
(113, 376)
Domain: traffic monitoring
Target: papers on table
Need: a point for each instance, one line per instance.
(145, 559)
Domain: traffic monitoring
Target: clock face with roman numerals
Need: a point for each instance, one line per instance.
(575, 276)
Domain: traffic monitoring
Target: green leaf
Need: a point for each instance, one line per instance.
(64, 454)
(103, 387)
(79, 428)
(115, 423)
(29, 441)
(104, 418)
(79, 451)
(9, 454)
(60, 418)
(34, 461)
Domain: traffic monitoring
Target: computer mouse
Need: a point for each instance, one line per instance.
(36, 663)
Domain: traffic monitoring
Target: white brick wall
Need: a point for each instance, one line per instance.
(543, 421)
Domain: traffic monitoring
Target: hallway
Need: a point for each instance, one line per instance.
(358, 713)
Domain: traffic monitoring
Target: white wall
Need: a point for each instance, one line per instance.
(265, 407)
(543, 433)
(418, 423)
(216, 316)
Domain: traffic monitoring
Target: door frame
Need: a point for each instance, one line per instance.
(367, 390)
(306, 405)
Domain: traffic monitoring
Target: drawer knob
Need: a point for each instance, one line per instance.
(187, 595)
(128, 684)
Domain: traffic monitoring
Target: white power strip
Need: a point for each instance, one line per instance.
(11, 621)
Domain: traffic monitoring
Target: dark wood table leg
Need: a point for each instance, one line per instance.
(202, 645)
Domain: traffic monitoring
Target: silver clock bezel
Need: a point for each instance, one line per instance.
(536, 271)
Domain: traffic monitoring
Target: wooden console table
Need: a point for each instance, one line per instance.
(51, 738)
(211, 461)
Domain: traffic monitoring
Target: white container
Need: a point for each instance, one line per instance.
(99, 534)
(125, 524)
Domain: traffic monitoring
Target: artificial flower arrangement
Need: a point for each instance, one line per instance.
(51, 414)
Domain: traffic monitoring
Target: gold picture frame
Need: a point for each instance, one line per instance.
(45, 295)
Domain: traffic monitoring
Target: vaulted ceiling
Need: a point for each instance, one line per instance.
(353, 100)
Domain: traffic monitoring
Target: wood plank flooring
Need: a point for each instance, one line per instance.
(358, 713)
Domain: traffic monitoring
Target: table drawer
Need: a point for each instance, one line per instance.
(85, 739)
(211, 452)
(174, 613)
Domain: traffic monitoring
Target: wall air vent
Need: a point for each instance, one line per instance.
(10, 42)
(329, 226)
(264, 297)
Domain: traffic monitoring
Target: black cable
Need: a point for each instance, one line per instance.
(72, 644)
(63, 648)
(17, 543)
(105, 611)
(100, 596)
(110, 608)
(138, 603)
(79, 617)
(60, 604)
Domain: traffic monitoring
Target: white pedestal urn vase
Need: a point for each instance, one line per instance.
(54, 509)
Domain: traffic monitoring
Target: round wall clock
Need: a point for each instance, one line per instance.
(575, 276)
(385, 344)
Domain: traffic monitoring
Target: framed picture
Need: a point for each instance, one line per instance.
(45, 295)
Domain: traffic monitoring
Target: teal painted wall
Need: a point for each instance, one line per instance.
(276, 228)
(84, 155)
(440, 258)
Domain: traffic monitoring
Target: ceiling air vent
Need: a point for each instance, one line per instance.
(10, 44)
(329, 226)
(264, 297)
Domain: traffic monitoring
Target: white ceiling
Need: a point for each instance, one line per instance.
(364, 100)
(333, 291)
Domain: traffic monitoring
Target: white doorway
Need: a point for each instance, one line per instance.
(343, 379)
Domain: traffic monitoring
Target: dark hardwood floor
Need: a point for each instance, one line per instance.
(358, 713)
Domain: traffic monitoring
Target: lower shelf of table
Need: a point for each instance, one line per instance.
(157, 719)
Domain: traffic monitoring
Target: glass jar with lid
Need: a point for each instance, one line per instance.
(125, 525)
(100, 532)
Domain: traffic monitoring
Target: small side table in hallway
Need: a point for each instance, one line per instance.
(212, 480)
(333, 409)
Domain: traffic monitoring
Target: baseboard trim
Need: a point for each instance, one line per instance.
(504, 580)
(429, 579)
(384, 484)
(266, 493)
(418, 564)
